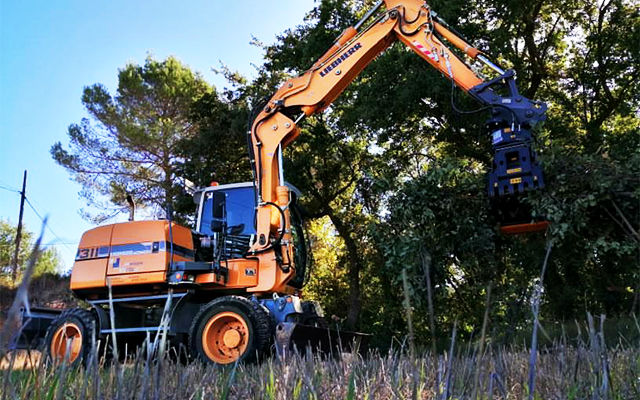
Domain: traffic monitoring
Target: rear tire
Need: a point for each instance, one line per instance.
(73, 330)
(230, 329)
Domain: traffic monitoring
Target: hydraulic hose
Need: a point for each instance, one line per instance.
(278, 240)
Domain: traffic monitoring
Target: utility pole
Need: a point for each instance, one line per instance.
(14, 273)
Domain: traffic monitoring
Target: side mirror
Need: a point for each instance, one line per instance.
(218, 217)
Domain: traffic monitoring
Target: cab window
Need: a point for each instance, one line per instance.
(240, 210)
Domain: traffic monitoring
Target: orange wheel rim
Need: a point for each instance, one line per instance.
(225, 337)
(66, 337)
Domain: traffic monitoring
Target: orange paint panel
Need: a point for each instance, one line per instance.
(347, 35)
(100, 236)
(272, 278)
(524, 228)
(131, 259)
(242, 274)
(330, 78)
(277, 129)
(411, 5)
(88, 274)
(209, 278)
(137, 279)
(150, 231)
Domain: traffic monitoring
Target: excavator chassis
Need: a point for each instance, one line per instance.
(130, 323)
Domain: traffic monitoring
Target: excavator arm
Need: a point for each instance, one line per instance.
(412, 22)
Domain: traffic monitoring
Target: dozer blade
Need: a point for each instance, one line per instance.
(292, 336)
(518, 229)
(514, 216)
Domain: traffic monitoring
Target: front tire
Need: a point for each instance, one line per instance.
(70, 336)
(230, 329)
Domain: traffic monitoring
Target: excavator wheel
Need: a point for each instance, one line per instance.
(70, 336)
(230, 329)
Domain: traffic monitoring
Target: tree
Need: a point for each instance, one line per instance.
(130, 146)
(428, 163)
(218, 152)
(49, 261)
(590, 149)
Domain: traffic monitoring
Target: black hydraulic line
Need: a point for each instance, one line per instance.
(400, 24)
(406, 20)
(169, 212)
(259, 168)
(464, 112)
(488, 107)
(368, 15)
(250, 136)
(278, 240)
(467, 112)
(282, 215)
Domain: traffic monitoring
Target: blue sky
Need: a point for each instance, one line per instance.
(50, 50)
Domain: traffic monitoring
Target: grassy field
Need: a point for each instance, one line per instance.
(597, 360)
(583, 372)
(590, 363)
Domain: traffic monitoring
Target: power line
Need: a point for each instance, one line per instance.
(9, 189)
(60, 241)
(47, 225)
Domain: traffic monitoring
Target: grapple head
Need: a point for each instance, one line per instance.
(515, 171)
(515, 168)
(515, 165)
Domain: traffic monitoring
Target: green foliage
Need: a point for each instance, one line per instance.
(218, 150)
(132, 143)
(593, 203)
(417, 168)
(48, 262)
(328, 283)
(442, 214)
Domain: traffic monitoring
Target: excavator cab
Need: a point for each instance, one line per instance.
(227, 213)
(228, 209)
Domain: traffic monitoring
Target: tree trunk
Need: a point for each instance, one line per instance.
(167, 184)
(354, 266)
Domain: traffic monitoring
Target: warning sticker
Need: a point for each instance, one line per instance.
(424, 50)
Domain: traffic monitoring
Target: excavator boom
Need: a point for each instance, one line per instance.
(515, 169)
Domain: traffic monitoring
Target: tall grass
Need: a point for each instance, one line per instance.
(586, 370)
(580, 367)
(563, 373)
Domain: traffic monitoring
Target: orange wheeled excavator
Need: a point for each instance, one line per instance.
(230, 286)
